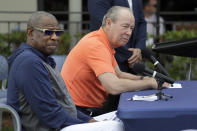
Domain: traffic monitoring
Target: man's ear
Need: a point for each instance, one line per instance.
(29, 32)
(108, 21)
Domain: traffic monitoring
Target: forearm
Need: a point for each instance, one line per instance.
(114, 85)
(124, 75)
(124, 85)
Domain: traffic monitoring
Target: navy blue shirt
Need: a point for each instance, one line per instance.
(28, 74)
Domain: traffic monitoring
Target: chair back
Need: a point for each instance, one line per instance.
(3, 96)
(3, 71)
(6, 108)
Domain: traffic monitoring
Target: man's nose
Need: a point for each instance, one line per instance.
(54, 36)
(129, 31)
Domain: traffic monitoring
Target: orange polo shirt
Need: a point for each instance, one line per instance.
(91, 57)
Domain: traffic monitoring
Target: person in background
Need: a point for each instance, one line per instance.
(91, 72)
(150, 9)
(37, 91)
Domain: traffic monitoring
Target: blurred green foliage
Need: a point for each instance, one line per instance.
(9, 42)
(179, 35)
(16, 38)
(4, 46)
(64, 44)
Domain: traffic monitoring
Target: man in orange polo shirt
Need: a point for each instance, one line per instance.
(91, 71)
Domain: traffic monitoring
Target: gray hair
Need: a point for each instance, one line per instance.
(113, 13)
(36, 17)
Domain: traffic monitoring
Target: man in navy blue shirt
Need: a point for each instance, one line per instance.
(36, 90)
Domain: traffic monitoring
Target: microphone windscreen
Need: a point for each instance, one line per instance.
(139, 67)
(146, 53)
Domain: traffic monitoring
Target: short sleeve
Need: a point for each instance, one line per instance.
(100, 60)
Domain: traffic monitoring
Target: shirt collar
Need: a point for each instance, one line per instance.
(106, 41)
(48, 59)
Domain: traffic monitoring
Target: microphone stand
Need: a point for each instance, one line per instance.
(160, 94)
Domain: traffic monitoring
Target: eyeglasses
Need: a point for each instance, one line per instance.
(49, 31)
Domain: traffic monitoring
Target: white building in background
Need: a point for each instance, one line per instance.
(14, 14)
(13, 6)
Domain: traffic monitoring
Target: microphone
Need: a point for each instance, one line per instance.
(141, 69)
(146, 53)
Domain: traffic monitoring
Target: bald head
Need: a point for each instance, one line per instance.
(114, 12)
(37, 17)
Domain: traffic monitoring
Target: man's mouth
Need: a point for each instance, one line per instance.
(125, 39)
(54, 46)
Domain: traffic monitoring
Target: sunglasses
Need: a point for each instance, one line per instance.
(155, 5)
(49, 31)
